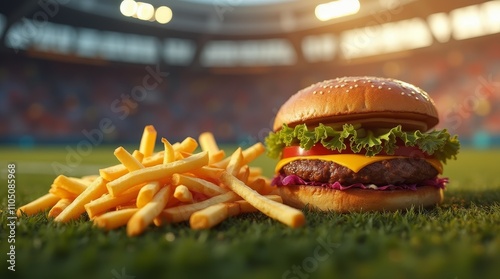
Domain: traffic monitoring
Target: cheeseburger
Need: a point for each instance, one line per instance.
(360, 144)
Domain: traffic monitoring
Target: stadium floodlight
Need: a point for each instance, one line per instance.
(145, 11)
(336, 9)
(163, 14)
(128, 7)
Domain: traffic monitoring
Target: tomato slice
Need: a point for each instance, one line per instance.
(319, 149)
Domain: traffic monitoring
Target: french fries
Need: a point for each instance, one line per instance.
(198, 185)
(145, 216)
(128, 160)
(283, 213)
(73, 186)
(213, 215)
(169, 154)
(59, 207)
(173, 185)
(123, 183)
(42, 203)
(183, 194)
(77, 207)
(183, 212)
(147, 145)
(147, 193)
(115, 219)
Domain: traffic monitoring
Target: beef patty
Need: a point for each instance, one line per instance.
(394, 171)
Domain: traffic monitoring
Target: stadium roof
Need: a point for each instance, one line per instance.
(229, 33)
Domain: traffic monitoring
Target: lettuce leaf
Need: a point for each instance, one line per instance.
(438, 143)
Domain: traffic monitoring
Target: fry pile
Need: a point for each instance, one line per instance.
(173, 185)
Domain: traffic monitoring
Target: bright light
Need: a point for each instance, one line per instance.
(145, 11)
(336, 9)
(128, 7)
(163, 14)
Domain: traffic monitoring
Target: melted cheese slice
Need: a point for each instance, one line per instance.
(355, 162)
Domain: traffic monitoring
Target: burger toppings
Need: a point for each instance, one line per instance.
(351, 155)
(438, 144)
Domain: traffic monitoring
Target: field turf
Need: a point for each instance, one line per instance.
(459, 239)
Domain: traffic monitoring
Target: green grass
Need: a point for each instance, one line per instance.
(458, 239)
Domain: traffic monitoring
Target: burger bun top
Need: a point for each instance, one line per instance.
(369, 101)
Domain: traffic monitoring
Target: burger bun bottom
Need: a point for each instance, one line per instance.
(358, 200)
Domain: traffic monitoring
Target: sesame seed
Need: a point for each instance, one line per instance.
(355, 85)
(347, 91)
(350, 87)
(342, 85)
(402, 93)
(416, 98)
(336, 86)
(389, 88)
(314, 92)
(320, 92)
(373, 85)
(380, 87)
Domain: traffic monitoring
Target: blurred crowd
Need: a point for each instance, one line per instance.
(46, 101)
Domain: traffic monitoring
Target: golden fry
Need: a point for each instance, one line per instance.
(197, 185)
(182, 194)
(283, 213)
(246, 207)
(61, 193)
(258, 185)
(243, 174)
(129, 161)
(208, 143)
(107, 202)
(235, 162)
(213, 215)
(138, 156)
(207, 173)
(156, 173)
(77, 207)
(209, 217)
(148, 140)
(145, 216)
(42, 203)
(147, 193)
(71, 185)
(114, 219)
(59, 207)
(169, 154)
(113, 172)
(183, 212)
(188, 145)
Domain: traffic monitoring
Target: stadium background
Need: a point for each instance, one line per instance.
(57, 82)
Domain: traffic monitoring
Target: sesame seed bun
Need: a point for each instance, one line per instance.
(370, 101)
